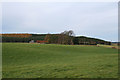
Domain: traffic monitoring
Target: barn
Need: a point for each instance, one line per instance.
(41, 42)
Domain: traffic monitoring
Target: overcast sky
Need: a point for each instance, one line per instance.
(92, 19)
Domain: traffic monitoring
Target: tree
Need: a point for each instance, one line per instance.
(68, 33)
(67, 37)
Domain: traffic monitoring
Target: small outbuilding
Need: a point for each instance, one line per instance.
(41, 42)
(32, 41)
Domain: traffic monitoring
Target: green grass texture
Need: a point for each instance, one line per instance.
(26, 60)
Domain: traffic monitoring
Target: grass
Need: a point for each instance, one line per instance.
(24, 60)
(109, 46)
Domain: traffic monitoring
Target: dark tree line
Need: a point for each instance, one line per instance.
(89, 41)
(66, 37)
(23, 39)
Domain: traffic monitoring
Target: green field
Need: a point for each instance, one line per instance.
(25, 60)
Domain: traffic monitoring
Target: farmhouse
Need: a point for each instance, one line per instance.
(32, 41)
(41, 42)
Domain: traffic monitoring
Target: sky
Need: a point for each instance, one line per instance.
(92, 19)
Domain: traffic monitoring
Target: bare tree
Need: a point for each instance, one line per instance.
(68, 33)
(67, 37)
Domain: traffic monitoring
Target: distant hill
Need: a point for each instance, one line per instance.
(77, 40)
(87, 40)
(21, 37)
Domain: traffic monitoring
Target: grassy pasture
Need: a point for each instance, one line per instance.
(109, 46)
(24, 60)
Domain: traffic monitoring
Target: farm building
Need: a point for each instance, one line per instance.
(41, 42)
(32, 41)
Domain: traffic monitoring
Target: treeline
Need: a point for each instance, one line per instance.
(16, 35)
(66, 37)
(82, 40)
(34, 37)
(59, 39)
